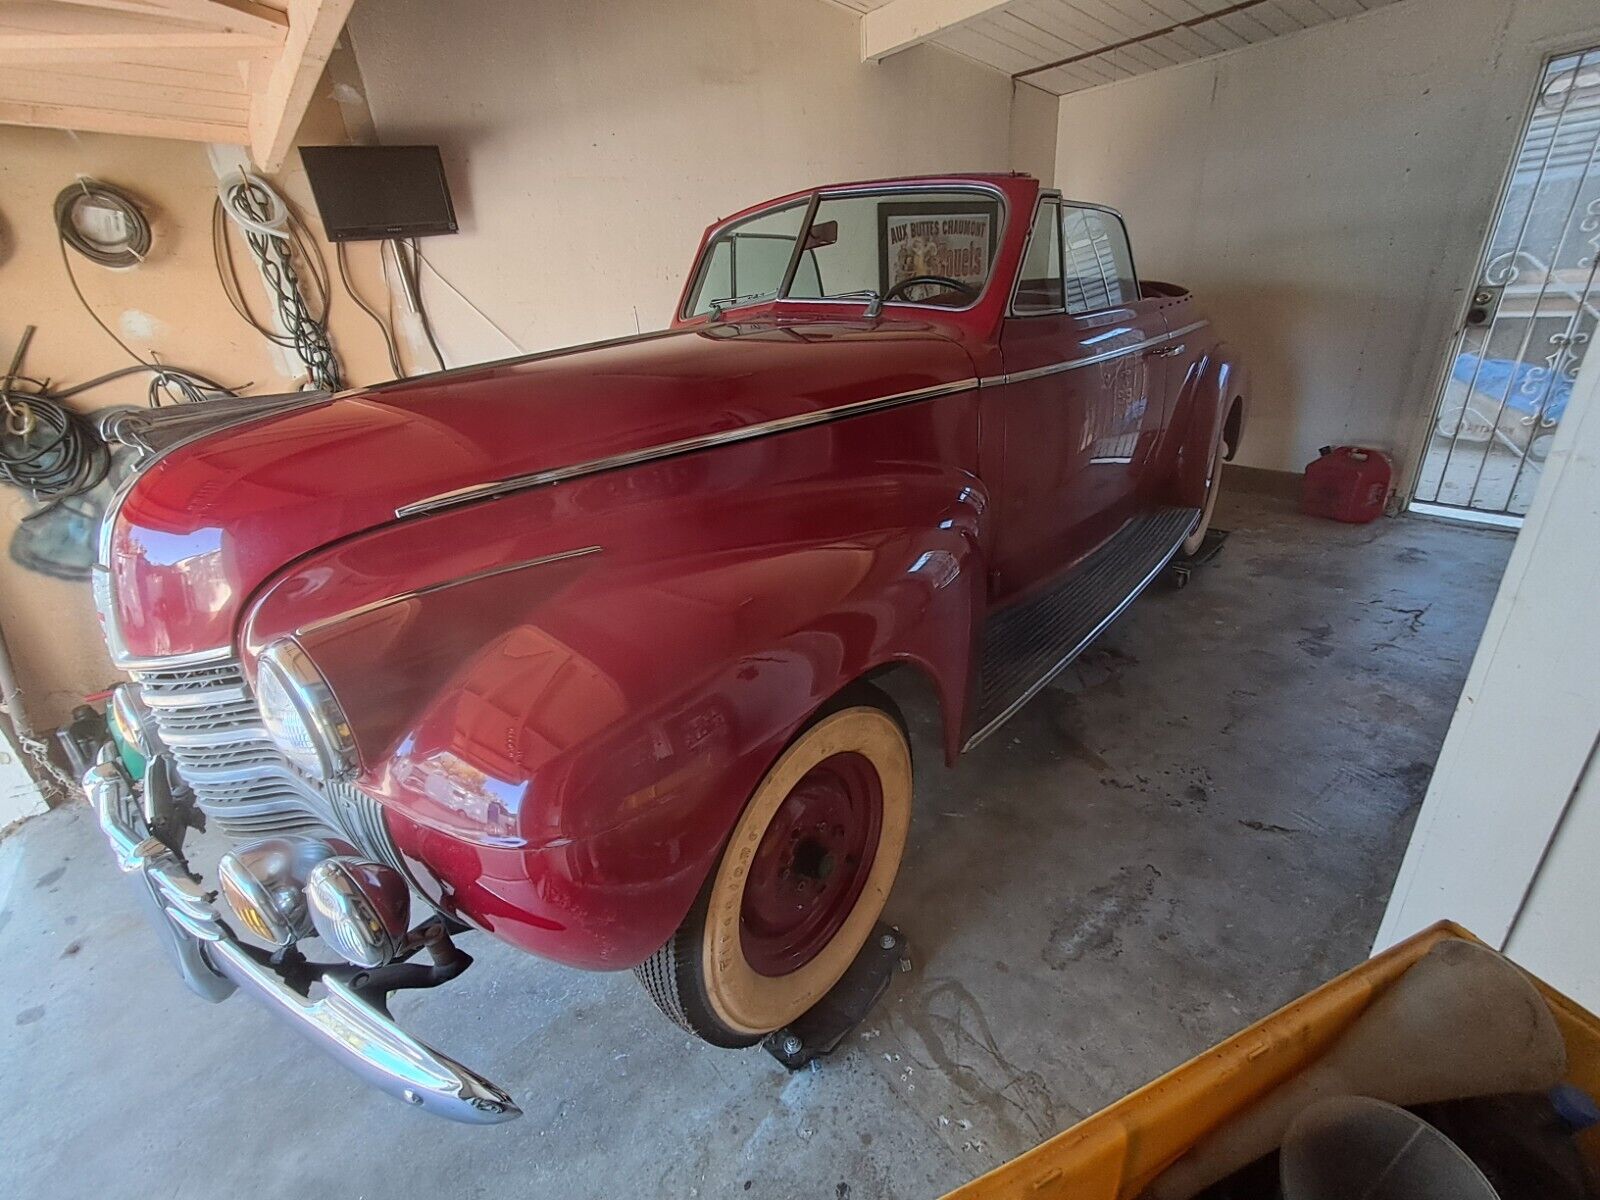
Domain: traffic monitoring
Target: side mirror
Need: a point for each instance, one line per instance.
(825, 234)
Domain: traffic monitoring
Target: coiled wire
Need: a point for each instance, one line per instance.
(46, 448)
(134, 246)
(276, 237)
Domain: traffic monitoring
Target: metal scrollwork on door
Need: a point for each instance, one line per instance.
(1502, 270)
(1591, 226)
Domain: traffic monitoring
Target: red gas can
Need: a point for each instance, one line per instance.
(1347, 483)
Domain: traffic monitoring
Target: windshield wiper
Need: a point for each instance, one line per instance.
(723, 303)
(873, 299)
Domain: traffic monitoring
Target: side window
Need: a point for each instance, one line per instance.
(1039, 282)
(1099, 263)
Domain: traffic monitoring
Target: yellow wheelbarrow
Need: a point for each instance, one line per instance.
(1121, 1150)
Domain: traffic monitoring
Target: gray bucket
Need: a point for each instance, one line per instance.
(1357, 1148)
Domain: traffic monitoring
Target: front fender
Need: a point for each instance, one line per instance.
(565, 708)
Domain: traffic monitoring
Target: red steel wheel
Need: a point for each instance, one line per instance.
(801, 881)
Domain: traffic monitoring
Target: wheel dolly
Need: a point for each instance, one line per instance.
(820, 1029)
(1180, 568)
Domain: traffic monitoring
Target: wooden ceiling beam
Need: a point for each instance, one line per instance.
(901, 24)
(239, 16)
(279, 105)
(27, 48)
(235, 71)
(159, 100)
(98, 120)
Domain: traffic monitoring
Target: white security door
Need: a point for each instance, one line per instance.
(1534, 311)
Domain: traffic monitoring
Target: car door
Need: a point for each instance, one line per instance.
(1076, 417)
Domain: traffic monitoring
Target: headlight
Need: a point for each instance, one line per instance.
(133, 720)
(301, 715)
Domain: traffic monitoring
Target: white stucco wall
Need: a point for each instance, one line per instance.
(589, 144)
(1327, 194)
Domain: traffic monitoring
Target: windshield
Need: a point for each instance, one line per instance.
(903, 247)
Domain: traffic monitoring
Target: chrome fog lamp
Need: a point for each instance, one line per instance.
(300, 713)
(133, 720)
(265, 884)
(361, 909)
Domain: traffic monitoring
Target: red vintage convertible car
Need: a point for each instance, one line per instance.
(578, 649)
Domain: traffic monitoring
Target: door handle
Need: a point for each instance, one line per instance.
(1485, 305)
(1169, 351)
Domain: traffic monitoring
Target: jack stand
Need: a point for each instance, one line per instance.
(821, 1028)
(1180, 568)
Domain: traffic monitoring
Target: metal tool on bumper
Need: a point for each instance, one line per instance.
(214, 963)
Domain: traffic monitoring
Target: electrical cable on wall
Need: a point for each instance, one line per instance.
(75, 205)
(45, 447)
(51, 450)
(406, 265)
(276, 237)
(379, 321)
(78, 207)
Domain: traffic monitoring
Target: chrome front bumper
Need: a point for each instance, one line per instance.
(214, 963)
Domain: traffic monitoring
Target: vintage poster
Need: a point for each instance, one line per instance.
(952, 240)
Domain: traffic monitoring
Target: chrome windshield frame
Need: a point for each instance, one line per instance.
(812, 204)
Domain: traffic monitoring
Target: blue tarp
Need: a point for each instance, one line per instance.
(1527, 391)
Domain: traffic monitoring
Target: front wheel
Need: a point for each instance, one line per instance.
(800, 883)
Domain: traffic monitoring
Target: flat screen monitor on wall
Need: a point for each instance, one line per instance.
(375, 192)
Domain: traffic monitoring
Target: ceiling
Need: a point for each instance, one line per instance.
(1066, 46)
(235, 71)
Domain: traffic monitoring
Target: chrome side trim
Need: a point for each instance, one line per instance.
(518, 483)
(518, 359)
(1075, 363)
(402, 597)
(1072, 364)
(340, 1022)
(1066, 661)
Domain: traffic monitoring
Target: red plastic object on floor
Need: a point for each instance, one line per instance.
(1347, 483)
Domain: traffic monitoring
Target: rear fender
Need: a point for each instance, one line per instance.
(566, 710)
(1210, 407)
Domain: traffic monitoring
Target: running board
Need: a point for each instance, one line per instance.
(1027, 645)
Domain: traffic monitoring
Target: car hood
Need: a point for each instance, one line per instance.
(213, 518)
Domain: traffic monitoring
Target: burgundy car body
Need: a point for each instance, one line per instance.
(574, 605)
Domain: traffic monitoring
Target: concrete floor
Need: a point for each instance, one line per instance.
(1199, 822)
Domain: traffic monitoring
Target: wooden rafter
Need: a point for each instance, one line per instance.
(117, 47)
(314, 27)
(901, 24)
(237, 15)
(235, 71)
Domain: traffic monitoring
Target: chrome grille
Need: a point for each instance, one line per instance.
(208, 719)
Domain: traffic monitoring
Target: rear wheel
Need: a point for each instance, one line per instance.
(800, 883)
(1192, 543)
